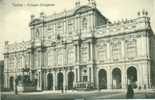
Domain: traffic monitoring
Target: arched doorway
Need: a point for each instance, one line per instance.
(132, 76)
(70, 80)
(49, 81)
(60, 81)
(102, 79)
(11, 83)
(116, 78)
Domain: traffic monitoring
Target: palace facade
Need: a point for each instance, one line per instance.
(81, 49)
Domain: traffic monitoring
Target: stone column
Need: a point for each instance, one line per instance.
(89, 76)
(92, 74)
(91, 51)
(124, 77)
(39, 83)
(6, 80)
(79, 26)
(74, 77)
(78, 74)
(144, 44)
(64, 80)
(45, 80)
(149, 74)
(148, 45)
(77, 52)
(108, 51)
(76, 24)
(97, 79)
(6, 85)
(64, 56)
(109, 77)
(123, 49)
(140, 75)
(145, 75)
(54, 80)
(93, 20)
(91, 23)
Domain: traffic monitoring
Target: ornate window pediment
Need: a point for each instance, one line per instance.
(82, 9)
(70, 27)
(84, 23)
(36, 21)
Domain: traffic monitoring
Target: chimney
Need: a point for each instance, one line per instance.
(77, 3)
(42, 15)
(32, 17)
(92, 3)
(6, 43)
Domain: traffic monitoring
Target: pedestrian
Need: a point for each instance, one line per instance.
(16, 83)
(130, 92)
(62, 90)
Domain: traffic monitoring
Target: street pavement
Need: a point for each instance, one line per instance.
(83, 95)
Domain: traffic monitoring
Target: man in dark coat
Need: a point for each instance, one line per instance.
(130, 92)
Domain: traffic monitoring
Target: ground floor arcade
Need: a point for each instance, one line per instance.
(89, 77)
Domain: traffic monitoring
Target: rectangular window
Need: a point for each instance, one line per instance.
(85, 78)
(84, 53)
(131, 49)
(116, 51)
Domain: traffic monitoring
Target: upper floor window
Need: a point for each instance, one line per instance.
(131, 48)
(59, 28)
(84, 53)
(70, 55)
(84, 23)
(116, 51)
(70, 26)
(51, 58)
(102, 53)
(37, 33)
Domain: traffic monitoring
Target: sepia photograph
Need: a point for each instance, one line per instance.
(77, 49)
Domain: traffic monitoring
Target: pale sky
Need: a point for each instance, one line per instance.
(15, 19)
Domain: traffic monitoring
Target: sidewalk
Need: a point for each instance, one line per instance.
(71, 92)
(113, 91)
(8, 93)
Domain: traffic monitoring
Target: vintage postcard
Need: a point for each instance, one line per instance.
(77, 49)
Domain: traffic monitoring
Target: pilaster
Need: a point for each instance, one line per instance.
(109, 77)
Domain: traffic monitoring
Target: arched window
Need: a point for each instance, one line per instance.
(116, 78)
(102, 79)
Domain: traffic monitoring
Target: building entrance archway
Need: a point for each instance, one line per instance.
(60, 81)
(116, 78)
(50, 81)
(70, 80)
(102, 79)
(11, 83)
(132, 76)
